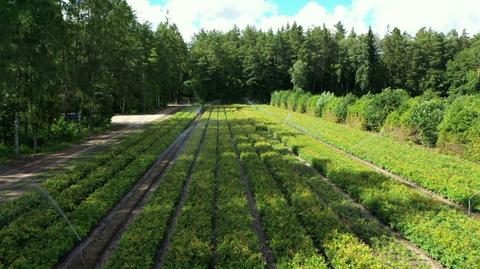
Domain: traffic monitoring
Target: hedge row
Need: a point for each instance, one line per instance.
(449, 176)
(447, 235)
(451, 124)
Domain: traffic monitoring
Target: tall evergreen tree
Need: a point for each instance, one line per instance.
(396, 59)
(368, 73)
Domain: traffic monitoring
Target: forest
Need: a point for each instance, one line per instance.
(67, 66)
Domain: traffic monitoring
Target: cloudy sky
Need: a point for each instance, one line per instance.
(409, 15)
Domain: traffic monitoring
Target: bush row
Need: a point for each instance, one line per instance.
(288, 240)
(320, 222)
(191, 241)
(237, 242)
(447, 235)
(140, 242)
(94, 168)
(452, 124)
(72, 187)
(39, 238)
(449, 176)
(337, 234)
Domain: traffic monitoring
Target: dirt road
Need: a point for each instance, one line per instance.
(17, 177)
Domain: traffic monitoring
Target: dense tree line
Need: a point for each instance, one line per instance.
(84, 60)
(67, 66)
(252, 63)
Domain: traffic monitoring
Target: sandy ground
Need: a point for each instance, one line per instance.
(17, 177)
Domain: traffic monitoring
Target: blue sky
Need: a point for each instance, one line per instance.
(291, 7)
(409, 15)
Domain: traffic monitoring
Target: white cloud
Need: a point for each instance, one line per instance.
(314, 14)
(192, 15)
(409, 15)
(145, 11)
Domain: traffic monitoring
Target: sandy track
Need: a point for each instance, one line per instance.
(18, 176)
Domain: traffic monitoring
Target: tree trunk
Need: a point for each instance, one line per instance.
(35, 140)
(79, 125)
(17, 141)
(25, 127)
(144, 90)
(90, 119)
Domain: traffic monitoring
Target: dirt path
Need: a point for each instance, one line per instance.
(18, 176)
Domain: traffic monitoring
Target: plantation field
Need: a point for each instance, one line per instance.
(244, 188)
(451, 177)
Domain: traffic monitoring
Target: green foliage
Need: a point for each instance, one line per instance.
(85, 57)
(318, 58)
(312, 104)
(322, 102)
(302, 104)
(284, 95)
(417, 119)
(337, 109)
(382, 104)
(298, 72)
(63, 130)
(418, 164)
(426, 116)
(395, 49)
(238, 245)
(399, 124)
(138, 245)
(30, 224)
(367, 76)
(293, 98)
(425, 221)
(278, 218)
(459, 130)
(349, 252)
(190, 245)
(357, 112)
(321, 222)
(275, 98)
(328, 111)
(463, 71)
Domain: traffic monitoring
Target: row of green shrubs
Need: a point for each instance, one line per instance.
(452, 124)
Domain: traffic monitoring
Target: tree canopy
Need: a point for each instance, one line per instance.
(92, 59)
